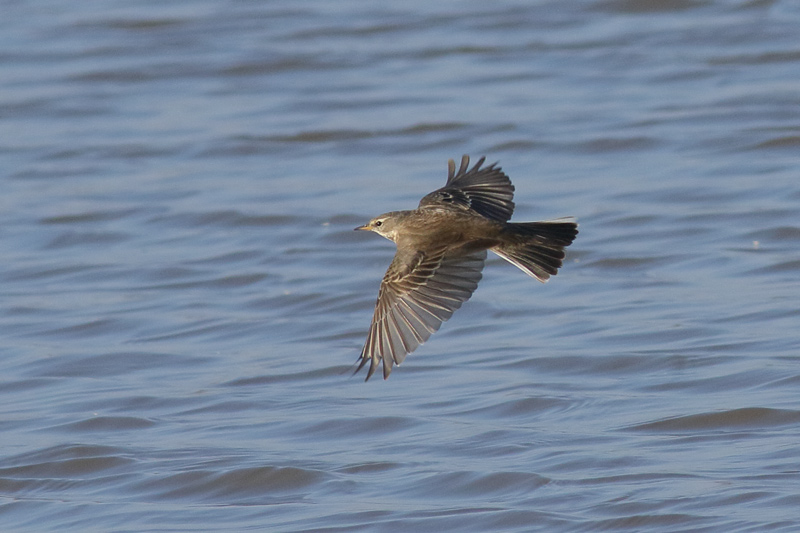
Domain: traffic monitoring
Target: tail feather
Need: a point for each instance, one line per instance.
(537, 248)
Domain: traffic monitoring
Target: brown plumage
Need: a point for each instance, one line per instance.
(441, 248)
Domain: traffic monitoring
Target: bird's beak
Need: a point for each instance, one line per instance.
(364, 228)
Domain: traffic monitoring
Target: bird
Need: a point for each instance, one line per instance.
(441, 249)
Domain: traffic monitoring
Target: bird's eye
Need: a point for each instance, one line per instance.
(378, 223)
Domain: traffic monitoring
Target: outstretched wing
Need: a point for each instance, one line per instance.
(487, 191)
(417, 294)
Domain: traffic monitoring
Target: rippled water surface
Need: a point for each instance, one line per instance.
(183, 296)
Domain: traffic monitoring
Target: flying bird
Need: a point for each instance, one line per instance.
(441, 249)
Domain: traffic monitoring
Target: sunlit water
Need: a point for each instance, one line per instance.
(183, 296)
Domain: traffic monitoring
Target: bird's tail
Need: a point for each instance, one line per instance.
(537, 248)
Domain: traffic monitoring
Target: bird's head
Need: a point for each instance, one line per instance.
(385, 225)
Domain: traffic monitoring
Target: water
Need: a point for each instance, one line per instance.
(183, 296)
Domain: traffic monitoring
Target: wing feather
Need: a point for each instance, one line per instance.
(486, 191)
(416, 296)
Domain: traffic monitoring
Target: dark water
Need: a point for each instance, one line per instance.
(183, 296)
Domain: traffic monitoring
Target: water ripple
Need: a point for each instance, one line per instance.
(184, 296)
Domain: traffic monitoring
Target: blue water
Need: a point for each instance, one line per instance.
(183, 297)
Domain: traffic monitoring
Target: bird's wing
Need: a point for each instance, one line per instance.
(417, 294)
(487, 191)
